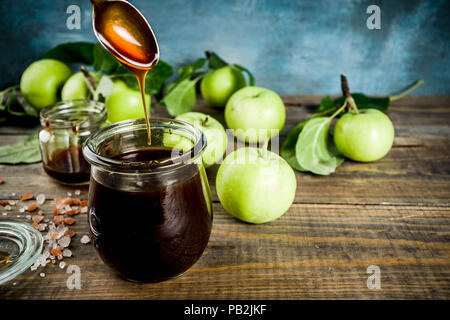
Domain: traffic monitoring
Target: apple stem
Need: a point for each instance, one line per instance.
(339, 110)
(347, 95)
(205, 121)
(89, 80)
(408, 90)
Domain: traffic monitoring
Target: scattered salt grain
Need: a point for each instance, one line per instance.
(62, 264)
(67, 207)
(46, 254)
(84, 209)
(60, 257)
(42, 226)
(42, 274)
(13, 194)
(67, 253)
(85, 239)
(8, 208)
(28, 216)
(77, 192)
(14, 283)
(33, 267)
(18, 216)
(64, 241)
(69, 194)
(12, 202)
(40, 199)
(22, 210)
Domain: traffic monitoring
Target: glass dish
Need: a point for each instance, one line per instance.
(20, 246)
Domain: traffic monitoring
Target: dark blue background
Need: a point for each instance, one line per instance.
(291, 46)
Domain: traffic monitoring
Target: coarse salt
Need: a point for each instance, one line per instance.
(64, 241)
(40, 199)
(67, 253)
(85, 239)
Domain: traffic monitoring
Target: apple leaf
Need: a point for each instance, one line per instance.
(214, 61)
(13, 106)
(251, 78)
(287, 151)
(188, 70)
(154, 82)
(361, 100)
(315, 149)
(24, 151)
(72, 52)
(104, 88)
(181, 98)
(103, 60)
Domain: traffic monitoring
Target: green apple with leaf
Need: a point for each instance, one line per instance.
(364, 136)
(255, 114)
(216, 136)
(41, 81)
(255, 185)
(125, 103)
(218, 85)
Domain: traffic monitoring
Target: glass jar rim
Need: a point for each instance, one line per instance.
(143, 167)
(77, 113)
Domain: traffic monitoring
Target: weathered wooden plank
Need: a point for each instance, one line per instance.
(409, 174)
(313, 251)
(420, 109)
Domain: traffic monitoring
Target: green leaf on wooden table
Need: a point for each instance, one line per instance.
(24, 151)
(314, 149)
(13, 103)
(361, 100)
(181, 98)
(72, 52)
(287, 151)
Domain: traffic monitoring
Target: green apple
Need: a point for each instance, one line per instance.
(255, 186)
(255, 114)
(41, 81)
(218, 85)
(75, 87)
(125, 103)
(366, 136)
(216, 136)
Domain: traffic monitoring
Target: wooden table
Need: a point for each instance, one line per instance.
(394, 214)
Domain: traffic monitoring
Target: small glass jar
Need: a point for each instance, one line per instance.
(150, 212)
(64, 127)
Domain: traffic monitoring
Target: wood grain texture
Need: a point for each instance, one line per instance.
(394, 213)
(313, 251)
